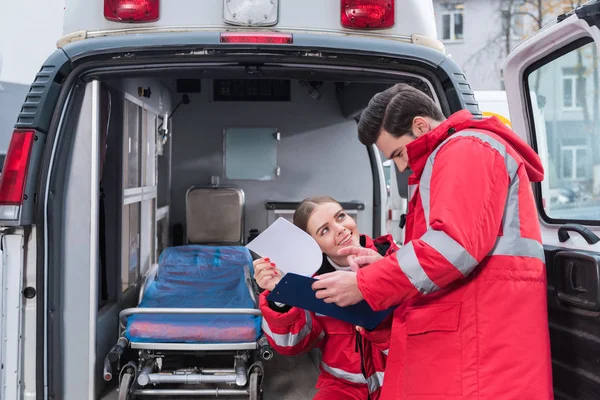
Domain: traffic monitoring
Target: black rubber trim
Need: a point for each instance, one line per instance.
(54, 338)
(377, 200)
(44, 91)
(291, 205)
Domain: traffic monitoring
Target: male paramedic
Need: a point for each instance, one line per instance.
(470, 282)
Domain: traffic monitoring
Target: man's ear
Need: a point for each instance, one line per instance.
(420, 126)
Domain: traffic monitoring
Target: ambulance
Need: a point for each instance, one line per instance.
(158, 125)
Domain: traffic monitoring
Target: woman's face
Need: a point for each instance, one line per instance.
(332, 228)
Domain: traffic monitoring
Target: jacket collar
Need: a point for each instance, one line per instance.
(419, 150)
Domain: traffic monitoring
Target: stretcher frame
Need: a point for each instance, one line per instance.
(136, 377)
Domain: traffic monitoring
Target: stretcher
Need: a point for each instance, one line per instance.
(196, 330)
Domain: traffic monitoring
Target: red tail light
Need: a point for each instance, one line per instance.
(14, 172)
(368, 14)
(257, 37)
(131, 10)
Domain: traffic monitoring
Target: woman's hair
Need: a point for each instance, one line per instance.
(306, 208)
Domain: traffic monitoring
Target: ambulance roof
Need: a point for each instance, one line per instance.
(413, 20)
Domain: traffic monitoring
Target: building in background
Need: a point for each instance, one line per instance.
(29, 30)
(11, 99)
(470, 30)
(479, 34)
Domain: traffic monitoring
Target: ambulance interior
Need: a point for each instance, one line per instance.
(212, 156)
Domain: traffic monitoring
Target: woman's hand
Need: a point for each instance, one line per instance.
(266, 273)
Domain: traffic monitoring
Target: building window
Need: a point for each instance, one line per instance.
(575, 162)
(453, 22)
(573, 86)
(570, 92)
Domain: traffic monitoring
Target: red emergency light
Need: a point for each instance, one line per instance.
(368, 14)
(14, 172)
(131, 10)
(257, 37)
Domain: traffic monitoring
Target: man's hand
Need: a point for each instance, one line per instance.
(340, 287)
(359, 256)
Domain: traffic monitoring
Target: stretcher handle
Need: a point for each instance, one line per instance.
(107, 374)
(118, 349)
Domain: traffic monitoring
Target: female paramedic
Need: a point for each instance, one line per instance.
(353, 359)
(471, 277)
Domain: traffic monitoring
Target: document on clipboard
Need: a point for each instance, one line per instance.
(288, 247)
(295, 290)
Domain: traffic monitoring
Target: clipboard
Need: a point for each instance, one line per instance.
(295, 290)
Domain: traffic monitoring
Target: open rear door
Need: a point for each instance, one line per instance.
(553, 86)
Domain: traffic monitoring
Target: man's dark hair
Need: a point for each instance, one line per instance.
(394, 110)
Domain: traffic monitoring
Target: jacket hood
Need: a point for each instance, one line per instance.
(464, 120)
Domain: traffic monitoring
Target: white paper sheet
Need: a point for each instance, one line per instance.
(289, 247)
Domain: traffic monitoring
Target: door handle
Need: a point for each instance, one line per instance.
(570, 273)
(577, 279)
(588, 235)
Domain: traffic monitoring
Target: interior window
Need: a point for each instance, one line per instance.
(131, 265)
(251, 153)
(564, 94)
(132, 125)
(139, 192)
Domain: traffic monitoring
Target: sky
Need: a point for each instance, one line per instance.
(29, 30)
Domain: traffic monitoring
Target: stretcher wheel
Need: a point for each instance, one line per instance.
(125, 386)
(254, 387)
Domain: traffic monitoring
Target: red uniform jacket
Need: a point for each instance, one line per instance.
(471, 279)
(348, 358)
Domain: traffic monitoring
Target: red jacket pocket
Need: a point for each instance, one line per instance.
(433, 318)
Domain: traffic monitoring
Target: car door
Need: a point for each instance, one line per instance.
(553, 86)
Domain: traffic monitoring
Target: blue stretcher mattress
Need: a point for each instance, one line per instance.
(197, 276)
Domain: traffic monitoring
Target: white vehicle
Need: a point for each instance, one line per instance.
(493, 103)
(161, 123)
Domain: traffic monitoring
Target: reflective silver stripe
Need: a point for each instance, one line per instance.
(375, 381)
(341, 374)
(425, 181)
(425, 185)
(386, 351)
(411, 191)
(511, 223)
(289, 339)
(518, 247)
(451, 250)
(409, 264)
